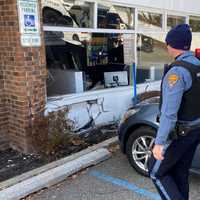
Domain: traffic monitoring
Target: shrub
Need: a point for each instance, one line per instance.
(54, 132)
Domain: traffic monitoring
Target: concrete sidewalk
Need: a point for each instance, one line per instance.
(113, 179)
(55, 172)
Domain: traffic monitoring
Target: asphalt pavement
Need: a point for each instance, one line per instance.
(113, 179)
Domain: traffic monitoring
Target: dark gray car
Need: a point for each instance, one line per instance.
(137, 131)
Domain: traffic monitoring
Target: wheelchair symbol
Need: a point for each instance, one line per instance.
(29, 20)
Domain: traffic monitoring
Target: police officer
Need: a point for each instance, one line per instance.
(174, 147)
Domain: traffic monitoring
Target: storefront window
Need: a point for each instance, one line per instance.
(195, 23)
(115, 17)
(173, 20)
(149, 20)
(79, 62)
(152, 55)
(195, 41)
(76, 14)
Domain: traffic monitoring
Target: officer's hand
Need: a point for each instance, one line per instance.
(158, 152)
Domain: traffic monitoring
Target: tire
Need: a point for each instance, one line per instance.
(136, 159)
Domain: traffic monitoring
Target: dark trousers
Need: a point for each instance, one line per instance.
(170, 175)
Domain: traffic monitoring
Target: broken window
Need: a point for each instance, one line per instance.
(115, 17)
(76, 14)
(79, 62)
(149, 20)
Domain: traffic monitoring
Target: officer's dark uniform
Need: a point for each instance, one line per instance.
(180, 103)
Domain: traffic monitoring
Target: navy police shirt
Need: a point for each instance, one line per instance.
(177, 81)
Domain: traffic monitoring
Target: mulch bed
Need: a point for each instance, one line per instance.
(13, 163)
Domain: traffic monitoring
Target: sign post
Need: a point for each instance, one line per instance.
(29, 23)
(134, 84)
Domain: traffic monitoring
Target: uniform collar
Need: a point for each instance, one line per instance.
(184, 55)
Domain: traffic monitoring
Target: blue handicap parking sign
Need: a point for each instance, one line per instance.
(29, 20)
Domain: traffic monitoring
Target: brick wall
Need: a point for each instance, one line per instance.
(3, 110)
(22, 80)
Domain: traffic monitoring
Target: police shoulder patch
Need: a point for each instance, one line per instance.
(172, 79)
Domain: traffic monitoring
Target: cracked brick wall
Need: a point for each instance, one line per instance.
(22, 80)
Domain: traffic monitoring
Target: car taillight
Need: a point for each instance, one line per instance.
(197, 53)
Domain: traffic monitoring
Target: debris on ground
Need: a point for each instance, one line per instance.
(113, 148)
(13, 163)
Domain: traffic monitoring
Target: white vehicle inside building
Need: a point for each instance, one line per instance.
(92, 46)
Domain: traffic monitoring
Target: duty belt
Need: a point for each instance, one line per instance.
(182, 130)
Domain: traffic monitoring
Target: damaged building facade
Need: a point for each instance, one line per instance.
(84, 56)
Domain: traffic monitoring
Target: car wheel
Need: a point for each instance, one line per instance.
(138, 148)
